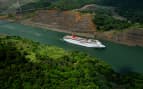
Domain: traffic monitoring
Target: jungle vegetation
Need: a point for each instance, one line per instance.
(106, 22)
(25, 64)
(131, 9)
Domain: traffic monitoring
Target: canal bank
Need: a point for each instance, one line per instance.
(121, 57)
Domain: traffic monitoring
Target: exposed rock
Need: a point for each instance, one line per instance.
(3, 17)
(130, 36)
(66, 20)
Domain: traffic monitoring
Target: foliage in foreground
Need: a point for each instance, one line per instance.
(28, 65)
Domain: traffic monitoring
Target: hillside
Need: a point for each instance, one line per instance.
(85, 17)
(9, 3)
(122, 3)
(131, 36)
(100, 8)
(131, 9)
(29, 65)
(35, 4)
(101, 25)
(12, 6)
(66, 21)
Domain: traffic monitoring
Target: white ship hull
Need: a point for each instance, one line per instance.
(84, 42)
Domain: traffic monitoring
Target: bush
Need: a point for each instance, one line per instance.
(105, 22)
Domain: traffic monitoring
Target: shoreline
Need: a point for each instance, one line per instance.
(99, 35)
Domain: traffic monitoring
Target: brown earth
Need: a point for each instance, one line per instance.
(81, 24)
(66, 20)
(130, 37)
(3, 17)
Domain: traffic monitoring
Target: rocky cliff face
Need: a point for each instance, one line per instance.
(133, 36)
(66, 20)
(129, 37)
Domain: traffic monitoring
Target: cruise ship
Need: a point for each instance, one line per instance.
(83, 41)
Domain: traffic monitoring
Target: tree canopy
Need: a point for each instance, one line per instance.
(25, 64)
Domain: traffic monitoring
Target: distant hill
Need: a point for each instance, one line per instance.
(138, 4)
(72, 4)
(8, 3)
(131, 9)
(11, 5)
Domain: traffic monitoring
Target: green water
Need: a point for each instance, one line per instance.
(121, 57)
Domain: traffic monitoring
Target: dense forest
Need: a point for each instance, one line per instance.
(122, 3)
(131, 9)
(30, 65)
(106, 22)
(57, 4)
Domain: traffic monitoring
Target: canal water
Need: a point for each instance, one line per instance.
(121, 57)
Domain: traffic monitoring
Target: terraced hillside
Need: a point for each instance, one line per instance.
(66, 20)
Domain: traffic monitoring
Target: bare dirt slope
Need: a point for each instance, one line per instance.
(66, 20)
(132, 36)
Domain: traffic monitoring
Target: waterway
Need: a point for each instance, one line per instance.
(121, 57)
